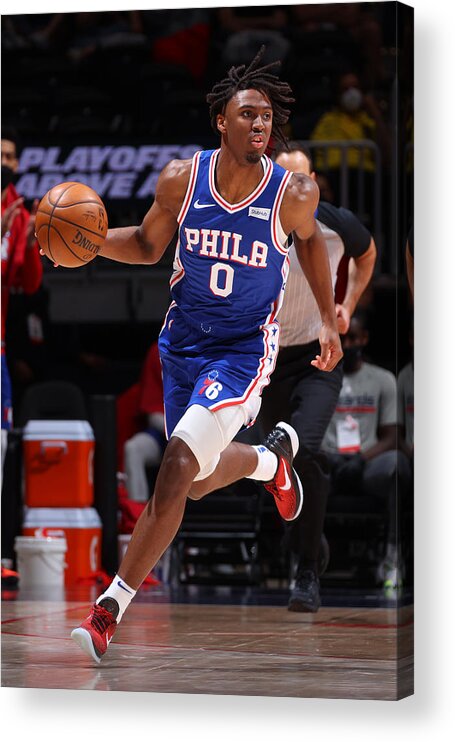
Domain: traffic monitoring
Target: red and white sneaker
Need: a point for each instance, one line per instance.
(286, 486)
(95, 633)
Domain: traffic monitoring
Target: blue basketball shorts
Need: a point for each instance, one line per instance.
(213, 372)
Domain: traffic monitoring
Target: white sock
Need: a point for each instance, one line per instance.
(121, 592)
(266, 466)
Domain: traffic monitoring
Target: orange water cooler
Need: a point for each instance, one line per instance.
(82, 529)
(58, 463)
(58, 458)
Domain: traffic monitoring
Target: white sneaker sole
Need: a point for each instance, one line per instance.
(84, 640)
(292, 435)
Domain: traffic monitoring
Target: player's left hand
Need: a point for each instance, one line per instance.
(41, 252)
(31, 224)
(331, 352)
(343, 318)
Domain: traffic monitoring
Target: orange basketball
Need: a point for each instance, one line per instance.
(71, 224)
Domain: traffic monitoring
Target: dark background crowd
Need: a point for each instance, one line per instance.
(141, 77)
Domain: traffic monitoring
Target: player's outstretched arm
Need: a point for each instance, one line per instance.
(299, 209)
(146, 243)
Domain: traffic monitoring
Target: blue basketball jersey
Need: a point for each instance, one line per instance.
(219, 341)
(231, 260)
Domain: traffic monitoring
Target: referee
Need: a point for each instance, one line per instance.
(301, 394)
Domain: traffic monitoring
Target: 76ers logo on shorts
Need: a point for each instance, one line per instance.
(210, 387)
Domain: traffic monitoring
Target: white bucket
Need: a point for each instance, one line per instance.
(40, 561)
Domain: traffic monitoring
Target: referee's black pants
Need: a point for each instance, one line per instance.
(306, 398)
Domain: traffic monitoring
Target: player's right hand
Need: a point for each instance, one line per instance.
(331, 351)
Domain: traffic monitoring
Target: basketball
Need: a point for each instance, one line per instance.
(71, 224)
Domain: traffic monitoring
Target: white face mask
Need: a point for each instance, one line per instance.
(351, 99)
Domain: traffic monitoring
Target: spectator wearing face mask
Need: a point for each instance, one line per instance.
(21, 263)
(361, 443)
(355, 116)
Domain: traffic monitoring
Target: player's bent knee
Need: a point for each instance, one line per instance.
(178, 467)
(207, 433)
(172, 484)
(201, 485)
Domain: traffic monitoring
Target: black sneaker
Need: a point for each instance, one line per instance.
(305, 597)
(286, 486)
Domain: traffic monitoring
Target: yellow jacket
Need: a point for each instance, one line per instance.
(337, 124)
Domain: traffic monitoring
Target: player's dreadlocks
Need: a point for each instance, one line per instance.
(257, 78)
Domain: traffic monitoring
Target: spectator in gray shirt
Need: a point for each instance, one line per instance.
(361, 444)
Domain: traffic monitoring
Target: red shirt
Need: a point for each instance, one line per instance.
(151, 383)
(21, 266)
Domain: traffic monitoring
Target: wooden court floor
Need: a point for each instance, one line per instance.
(252, 650)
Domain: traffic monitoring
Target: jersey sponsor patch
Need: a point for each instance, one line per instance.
(259, 213)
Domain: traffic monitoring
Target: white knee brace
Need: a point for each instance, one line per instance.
(208, 433)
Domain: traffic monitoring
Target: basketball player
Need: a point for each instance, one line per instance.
(233, 209)
(299, 392)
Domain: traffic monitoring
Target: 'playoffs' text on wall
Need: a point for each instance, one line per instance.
(113, 171)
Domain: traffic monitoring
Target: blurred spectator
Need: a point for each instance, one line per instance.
(145, 448)
(11, 35)
(27, 331)
(156, 24)
(358, 21)
(246, 29)
(50, 31)
(21, 263)
(180, 37)
(93, 32)
(361, 443)
(40, 30)
(355, 116)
